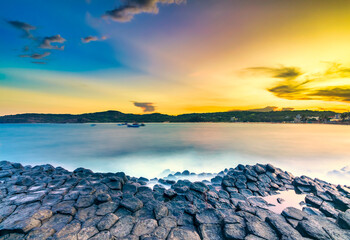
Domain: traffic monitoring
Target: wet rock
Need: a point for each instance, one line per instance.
(84, 214)
(107, 207)
(103, 197)
(57, 222)
(131, 187)
(105, 235)
(292, 212)
(282, 228)
(12, 236)
(85, 201)
(312, 229)
(170, 193)
(234, 231)
(168, 222)
(329, 210)
(253, 237)
(211, 232)
(252, 186)
(41, 233)
(261, 229)
(65, 207)
(6, 173)
(270, 168)
(241, 184)
(144, 227)
(259, 169)
(87, 232)
(313, 200)
(132, 203)
(69, 231)
(199, 187)
(160, 211)
(343, 219)
(51, 200)
(183, 233)
(22, 220)
(72, 195)
(342, 203)
(107, 222)
(236, 198)
(312, 211)
(123, 227)
(209, 216)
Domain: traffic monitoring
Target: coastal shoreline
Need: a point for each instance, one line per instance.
(46, 202)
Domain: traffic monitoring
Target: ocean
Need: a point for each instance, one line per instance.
(315, 150)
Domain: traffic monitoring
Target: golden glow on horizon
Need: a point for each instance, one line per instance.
(203, 68)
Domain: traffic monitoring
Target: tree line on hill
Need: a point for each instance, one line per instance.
(230, 116)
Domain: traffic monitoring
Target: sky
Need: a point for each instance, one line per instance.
(173, 56)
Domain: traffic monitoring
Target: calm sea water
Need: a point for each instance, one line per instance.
(315, 150)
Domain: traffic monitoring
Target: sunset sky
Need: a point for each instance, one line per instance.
(173, 56)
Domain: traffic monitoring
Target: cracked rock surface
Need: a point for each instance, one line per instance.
(46, 202)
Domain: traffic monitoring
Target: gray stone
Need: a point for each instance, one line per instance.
(65, 207)
(85, 213)
(57, 222)
(107, 207)
(199, 187)
(312, 211)
(123, 227)
(105, 235)
(85, 201)
(160, 211)
(328, 209)
(107, 222)
(145, 226)
(6, 210)
(29, 198)
(261, 229)
(234, 231)
(313, 200)
(211, 232)
(87, 232)
(40, 233)
(22, 220)
(282, 228)
(209, 216)
(168, 222)
(170, 193)
(292, 212)
(310, 228)
(132, 203)
(103, 197)
(160, 233)
(258, 169)
(343, 219)
(51, 199)
(183, 233)
(69, 230)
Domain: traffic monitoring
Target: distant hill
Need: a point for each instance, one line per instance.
(116, 116)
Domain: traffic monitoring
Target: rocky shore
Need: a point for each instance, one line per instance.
(44, 202)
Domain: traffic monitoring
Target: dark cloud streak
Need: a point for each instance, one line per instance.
(145, 106)
(126, 12)
(47, 42)
(25, 27)
(36, 55)
(295, 85)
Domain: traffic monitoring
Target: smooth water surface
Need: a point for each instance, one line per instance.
(316, 150)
